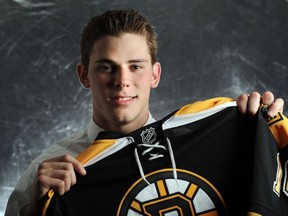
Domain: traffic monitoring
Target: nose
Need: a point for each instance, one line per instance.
(122, 78)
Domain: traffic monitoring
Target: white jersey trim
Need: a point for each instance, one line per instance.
(179, 120)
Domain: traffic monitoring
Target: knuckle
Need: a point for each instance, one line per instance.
(281, 101)
(60, 187)
(66, 157)
(42, 165)
(66, 175)
(60, 184)
(68, 166)
(40, 179)
(242, 100)
(243, 97)
(40, 173)
(73, 182)
(255, 94)
(268, 94)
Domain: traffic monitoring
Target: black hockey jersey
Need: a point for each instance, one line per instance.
(204, 159)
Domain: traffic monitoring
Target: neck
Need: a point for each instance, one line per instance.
(124, 127)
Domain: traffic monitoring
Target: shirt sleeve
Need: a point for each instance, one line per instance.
(20, 195)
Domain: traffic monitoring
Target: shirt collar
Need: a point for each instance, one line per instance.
(94, 129)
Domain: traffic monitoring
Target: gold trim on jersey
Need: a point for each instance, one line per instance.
(202, 105)
(253, 214)
(94, 149)
(50, 194)
(278, 126)
(197, 111)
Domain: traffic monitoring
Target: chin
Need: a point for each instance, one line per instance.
(122, 117)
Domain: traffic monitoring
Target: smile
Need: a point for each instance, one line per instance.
(123, 98)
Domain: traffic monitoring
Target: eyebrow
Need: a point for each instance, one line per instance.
(104, 61)
(109, 61)
(138, 60)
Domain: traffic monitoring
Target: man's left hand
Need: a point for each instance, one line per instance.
(248, 104)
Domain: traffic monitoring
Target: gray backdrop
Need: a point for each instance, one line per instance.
(207, 48)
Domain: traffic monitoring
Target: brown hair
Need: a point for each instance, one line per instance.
(115, 22)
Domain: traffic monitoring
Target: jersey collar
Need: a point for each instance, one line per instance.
(94, 129)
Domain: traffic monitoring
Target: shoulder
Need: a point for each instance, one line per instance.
(196, 111)
(72, 145)
(209, 104)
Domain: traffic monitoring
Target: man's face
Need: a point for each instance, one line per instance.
(120, 75)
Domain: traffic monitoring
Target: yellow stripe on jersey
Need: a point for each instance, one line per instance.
(202, 105)
(94, 149)
(161, 188)
(278, 126)
(50, 194)
(136, 205)
(213, 213)
(191, 191)
(253, 214)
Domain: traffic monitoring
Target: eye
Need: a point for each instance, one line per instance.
(136, 67)
(104, 68)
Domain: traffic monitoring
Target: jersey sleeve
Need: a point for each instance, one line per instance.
(278, 126)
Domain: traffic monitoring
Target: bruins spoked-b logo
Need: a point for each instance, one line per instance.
(190, 195)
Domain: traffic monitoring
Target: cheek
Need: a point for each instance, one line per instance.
(145, 79)
(99, 80)
(144, 84)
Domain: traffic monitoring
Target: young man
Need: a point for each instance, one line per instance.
(120, 66)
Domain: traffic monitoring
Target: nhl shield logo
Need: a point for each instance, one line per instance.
(149, 135)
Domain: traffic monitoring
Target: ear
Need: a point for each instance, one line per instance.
(156, 74)
(83, 75)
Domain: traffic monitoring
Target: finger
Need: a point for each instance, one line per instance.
(58, 170)
(253, 103)
(276, 107)
(267, 98)
(65, 179)
(45, 183)
(68, 158)
(242, 102)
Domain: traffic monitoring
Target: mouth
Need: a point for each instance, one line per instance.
(123, 100)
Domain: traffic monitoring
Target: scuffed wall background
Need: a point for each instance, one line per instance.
(207, 48)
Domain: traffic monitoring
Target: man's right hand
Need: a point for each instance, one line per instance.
(58, 174)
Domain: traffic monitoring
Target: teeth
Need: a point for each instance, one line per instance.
(124, 98)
